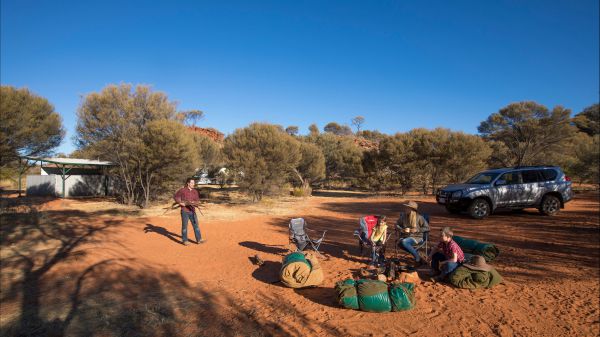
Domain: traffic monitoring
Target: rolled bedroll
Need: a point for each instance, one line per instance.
(346, 294)
(402, 296)
(373, 296)
(299, 271)
(487, 250)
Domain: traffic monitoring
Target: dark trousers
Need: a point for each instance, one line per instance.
(185, 215)
(447, 268)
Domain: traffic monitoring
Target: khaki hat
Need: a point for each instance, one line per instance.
(478, 263)
(411, 204)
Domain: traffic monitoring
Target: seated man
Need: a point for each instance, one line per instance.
(412, 225)
(447, 256)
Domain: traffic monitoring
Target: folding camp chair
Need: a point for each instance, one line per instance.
(422, 246)
(300, 238)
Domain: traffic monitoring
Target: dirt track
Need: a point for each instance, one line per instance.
(88, 268)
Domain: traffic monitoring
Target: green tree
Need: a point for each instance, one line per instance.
(29, 126)
(372, 135)
(210, 153)
(528, 131)
(396, 155)
(343, 159)
(424, 158)
(193, 116)
(292, 130)
(138, 130)
(263, 155)
(336, 129)
(311, 167)
(588, 120)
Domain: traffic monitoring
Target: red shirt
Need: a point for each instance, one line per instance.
(185, 194)
(451, 247)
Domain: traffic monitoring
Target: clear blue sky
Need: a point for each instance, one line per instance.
(400, 64)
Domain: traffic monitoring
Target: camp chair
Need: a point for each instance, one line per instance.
(299, 236)
(423, 245)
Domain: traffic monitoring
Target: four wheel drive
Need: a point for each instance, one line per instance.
(544, 187)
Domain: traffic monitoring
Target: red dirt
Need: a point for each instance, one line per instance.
(109, 272)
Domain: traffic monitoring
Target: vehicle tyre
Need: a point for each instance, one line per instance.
(550, 205)
(453, 210)
(479, 208)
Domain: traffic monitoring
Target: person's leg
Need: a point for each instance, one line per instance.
(194, 220)
(407, 245)
(448, 268)
(373, 254)
(435, 261)
(184, 221)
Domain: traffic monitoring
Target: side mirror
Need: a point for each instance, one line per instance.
(500, 182)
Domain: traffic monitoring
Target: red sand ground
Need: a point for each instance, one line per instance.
(80, 267)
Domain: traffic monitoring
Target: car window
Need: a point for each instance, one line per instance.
(549, 174)
(482, 178)
(530, 176)
(511, 178)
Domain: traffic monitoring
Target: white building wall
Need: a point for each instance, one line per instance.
(75, 185)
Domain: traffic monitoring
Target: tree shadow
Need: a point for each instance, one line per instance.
(150, 228)
(62, 295)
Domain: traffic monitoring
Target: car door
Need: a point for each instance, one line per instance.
(509, 189)
(531, 186)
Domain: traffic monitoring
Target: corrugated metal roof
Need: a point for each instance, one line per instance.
(71, 161)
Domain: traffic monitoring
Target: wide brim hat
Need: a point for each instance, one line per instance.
(411, 204)
(478, 263)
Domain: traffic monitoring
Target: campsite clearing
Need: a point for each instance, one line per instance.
(91, 267)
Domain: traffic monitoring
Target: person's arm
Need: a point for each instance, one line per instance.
(177, 198)
(454, 258)
(424, 225)
(384, 235)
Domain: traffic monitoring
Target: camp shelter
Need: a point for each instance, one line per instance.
(67, 177)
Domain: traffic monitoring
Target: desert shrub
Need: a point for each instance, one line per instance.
(264, 157)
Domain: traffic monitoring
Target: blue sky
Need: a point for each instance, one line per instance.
(400, 64)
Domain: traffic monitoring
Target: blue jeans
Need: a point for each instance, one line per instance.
(408, 243)
(185, 215)
(447, 267)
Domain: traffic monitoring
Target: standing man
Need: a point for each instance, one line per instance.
(187, 197)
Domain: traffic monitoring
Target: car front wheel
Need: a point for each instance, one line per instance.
(479, 208)
(550, 205)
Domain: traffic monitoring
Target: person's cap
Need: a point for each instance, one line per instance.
(478, 263)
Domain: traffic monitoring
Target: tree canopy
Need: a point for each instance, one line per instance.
(138, 130)
(527, 131)
(336, 129)
(263, 155)
(29, 126)
(588, 120)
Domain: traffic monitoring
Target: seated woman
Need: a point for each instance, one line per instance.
(412, 225)
(378, 238)
(447, 256)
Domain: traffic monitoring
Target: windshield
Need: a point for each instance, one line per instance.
(483, 178)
